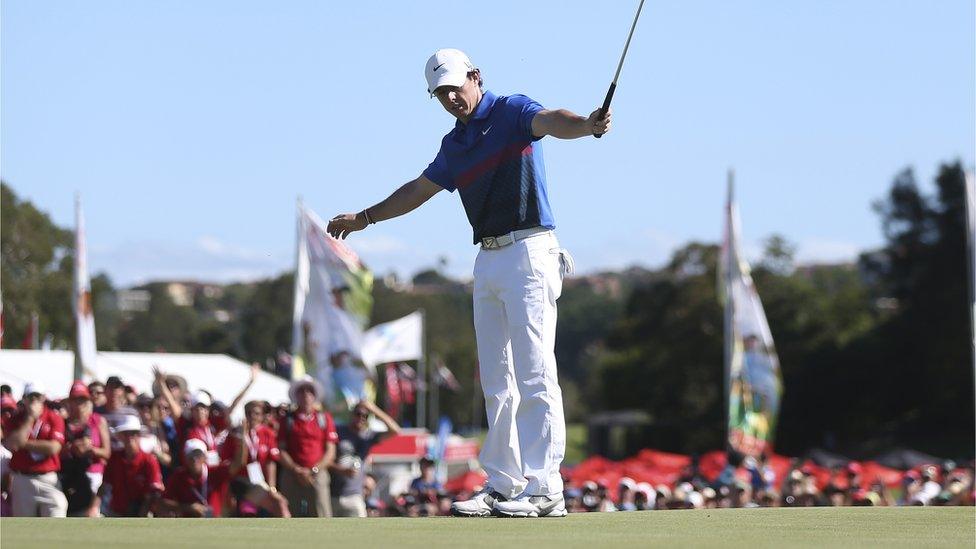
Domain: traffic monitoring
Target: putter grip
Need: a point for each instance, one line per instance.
(606, 106)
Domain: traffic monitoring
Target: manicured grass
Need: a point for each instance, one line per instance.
(817, 527)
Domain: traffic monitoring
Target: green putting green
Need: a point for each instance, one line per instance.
(812, 527)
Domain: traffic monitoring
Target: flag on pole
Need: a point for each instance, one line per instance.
(445, 378)
(333, 299)
(409, 384)
(85, 347)
(752, 371)
(400, 339)
(393, 396)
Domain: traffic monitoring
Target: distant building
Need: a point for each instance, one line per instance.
(133, 301)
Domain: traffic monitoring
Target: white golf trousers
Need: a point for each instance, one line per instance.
(515, 292)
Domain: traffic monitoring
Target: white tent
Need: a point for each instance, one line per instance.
(221, 375)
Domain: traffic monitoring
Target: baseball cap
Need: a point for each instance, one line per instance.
(447, 67)
(79, 390)
(34, 388)
(129, 424)
(201, 398)
(194, 445)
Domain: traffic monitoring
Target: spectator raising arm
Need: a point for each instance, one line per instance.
(255, 368)
(176, 408)
(393, 428)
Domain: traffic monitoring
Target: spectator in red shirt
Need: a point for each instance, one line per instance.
(87, 447)
(307, 439)
(133, 481)
(261, 455)
(197, 489)
(35, 438)
(196, 423)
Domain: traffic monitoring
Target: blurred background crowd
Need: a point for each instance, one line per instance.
(104, 450)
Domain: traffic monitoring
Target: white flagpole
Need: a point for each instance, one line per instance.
(86, 348)
(301, 291)
(729, 306)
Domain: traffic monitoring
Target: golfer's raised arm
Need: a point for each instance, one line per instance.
(405, 199)
(564, 124)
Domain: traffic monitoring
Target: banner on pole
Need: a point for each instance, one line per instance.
(752, 367)
(333, 299)
(400, 339)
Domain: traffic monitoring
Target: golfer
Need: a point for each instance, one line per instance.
(493, 158)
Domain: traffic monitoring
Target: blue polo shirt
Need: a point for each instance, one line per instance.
(496, 165)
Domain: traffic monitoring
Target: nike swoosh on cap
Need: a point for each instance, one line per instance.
(439, 66)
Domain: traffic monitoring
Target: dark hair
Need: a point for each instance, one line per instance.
(481, 81)
(255, 404)
(6, 390)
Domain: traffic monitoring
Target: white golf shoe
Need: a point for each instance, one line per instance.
(480, 505)
(532, 506)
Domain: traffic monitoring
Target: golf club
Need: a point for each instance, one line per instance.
(613, 85)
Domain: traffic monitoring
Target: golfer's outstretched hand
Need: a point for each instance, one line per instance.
(343, 224)
(597, 125)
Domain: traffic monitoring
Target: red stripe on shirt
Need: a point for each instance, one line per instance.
(512, 151)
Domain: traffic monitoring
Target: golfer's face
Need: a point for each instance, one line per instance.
(462, 101)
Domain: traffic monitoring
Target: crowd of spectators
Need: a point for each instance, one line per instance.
(105, 450)
(755, 484)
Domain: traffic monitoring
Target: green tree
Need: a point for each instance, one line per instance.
(36, 270)
(665, 354)
(166, 326)
(265, 318)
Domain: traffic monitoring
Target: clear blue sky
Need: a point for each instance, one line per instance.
(190, 127)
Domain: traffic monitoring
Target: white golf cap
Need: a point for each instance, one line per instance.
(129, 424)
(201, 398)
(194, 445)
(34, 388)
(447, 67)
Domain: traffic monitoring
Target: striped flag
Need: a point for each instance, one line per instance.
(752, 373)
(333, 300)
